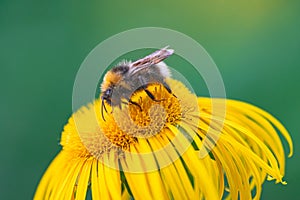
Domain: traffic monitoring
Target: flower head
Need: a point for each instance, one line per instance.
(155, 152)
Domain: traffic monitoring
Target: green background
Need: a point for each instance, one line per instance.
(255, 44)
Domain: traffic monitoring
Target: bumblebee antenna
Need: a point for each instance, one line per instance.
(103, 106)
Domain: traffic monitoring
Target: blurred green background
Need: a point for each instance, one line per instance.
(255, 44)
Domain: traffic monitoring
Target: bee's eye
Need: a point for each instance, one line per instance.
(108, 91)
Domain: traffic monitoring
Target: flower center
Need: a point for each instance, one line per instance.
(143, 119)
(125, 128)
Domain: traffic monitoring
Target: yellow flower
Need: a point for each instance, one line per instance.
(155, 152)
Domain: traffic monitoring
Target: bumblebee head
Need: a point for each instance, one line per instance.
(112, 77)
(110, 80)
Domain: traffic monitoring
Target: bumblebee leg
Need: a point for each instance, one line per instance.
(144, 87)
(124, 102)
(132, 102)
(151, 95)
(135, 103)
(166, 86)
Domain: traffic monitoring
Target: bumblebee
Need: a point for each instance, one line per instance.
(127, 77)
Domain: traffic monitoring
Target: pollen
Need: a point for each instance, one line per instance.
(125, 126)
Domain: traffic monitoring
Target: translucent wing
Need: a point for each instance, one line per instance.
(153, 58)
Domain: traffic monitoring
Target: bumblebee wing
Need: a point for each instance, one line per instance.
(151, 59)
